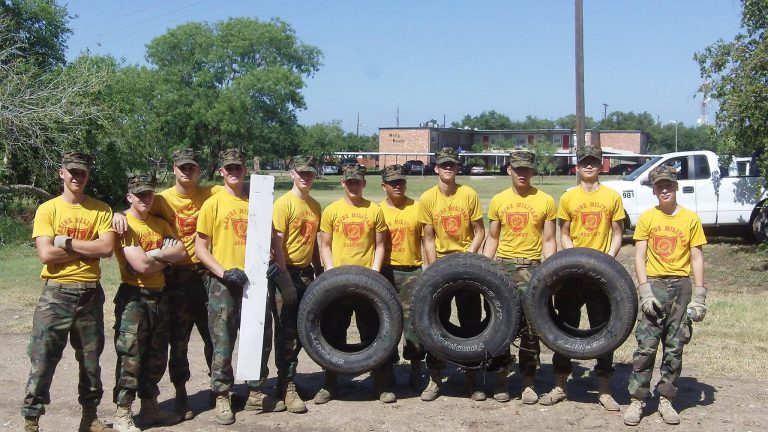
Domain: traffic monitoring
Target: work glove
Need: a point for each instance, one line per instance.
(272, 271)
(155, 254)
(60, 241)
(235, 278)
(169, 241)
(697, 308)
(648, 302)
(287, 289)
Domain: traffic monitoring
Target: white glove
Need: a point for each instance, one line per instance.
(60, 241)
(648, 302)
(169, 241)
(697, 308)
(155, 254)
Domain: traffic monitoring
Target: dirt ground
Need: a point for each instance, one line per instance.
(710, 404)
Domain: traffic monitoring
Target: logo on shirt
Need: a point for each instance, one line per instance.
(591, 220)
(664, 246)
(451, 224)
(398, 236)
(307, 230)
(353, 231)
(78, 233)
(186, 225)
(517, 221)
(240, 227)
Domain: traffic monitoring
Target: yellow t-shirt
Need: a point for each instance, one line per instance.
(670, 239)
(522, 222)
(298, 220)
(224, 218)
(83, 221)
(591, 215)
(404, 233)
(148, 235)
(181, 211)
(451, 217)
(354, 231)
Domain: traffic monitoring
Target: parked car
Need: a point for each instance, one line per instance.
(414, 167)
(477, 169)
(429, 169)
(326, 169)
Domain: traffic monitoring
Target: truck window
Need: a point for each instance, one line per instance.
(681, 166)
(701, 168)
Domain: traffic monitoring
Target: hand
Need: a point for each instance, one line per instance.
(698, 303)
(120, 223)
(60, 241)
(155, 254)
(235, 278)
(648, 302)
(273, 270)
(169, 241)
(287, 289)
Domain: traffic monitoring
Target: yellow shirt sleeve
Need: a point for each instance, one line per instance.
(493, 213)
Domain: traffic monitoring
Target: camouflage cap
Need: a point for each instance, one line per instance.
(353, 171)
(662, 172)
(76, 160)
(141, 183)
(521, 159)
(587, 151)
(392, 173)
(446, 154)
(231, 156)
(185, 156)
(304, 163)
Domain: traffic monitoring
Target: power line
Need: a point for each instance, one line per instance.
(110, 19)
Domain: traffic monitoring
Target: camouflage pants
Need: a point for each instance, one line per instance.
(141, 342)
(672, 329)
(529, 351)
(187, 300)
(568, 302)
(77, 314)
(403, 279)
(223, 324)
(287, 344)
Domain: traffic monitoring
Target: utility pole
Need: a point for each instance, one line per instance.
(357, 125)
(605, 110)
(579, 16)
(397, 117)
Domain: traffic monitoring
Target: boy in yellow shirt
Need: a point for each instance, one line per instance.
(295, 220)
(72, 233)
(452, 220)
(222, 226)
(352, 232)
(591, 215)
(521, 233)
(142, 324)
(668, 248)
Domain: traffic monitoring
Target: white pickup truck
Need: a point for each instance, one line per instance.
(720, 196)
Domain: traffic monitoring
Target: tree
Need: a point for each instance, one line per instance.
(41, 31)
(736, 75)
(569, 122)
(544, 151)
(233, 83)
(321, 139)
(487, 120)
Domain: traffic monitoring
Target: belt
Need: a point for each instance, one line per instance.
(71, 285)
(188, 267)
(301, 269)
(521, 261)
(145, 292)
(403, 268)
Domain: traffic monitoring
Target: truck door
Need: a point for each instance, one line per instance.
(704, 189)
(686, 192)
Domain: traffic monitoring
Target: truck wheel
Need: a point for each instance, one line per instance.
(461, 274)
(371, 296)
(570, 269)
(760, 224)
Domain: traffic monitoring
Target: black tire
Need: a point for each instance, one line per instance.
(569, 268)
(760, 223)
(457, 273)
(366, 288)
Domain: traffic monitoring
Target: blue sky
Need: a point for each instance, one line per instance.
(450, 58)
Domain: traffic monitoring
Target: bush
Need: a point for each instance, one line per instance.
(14, 231)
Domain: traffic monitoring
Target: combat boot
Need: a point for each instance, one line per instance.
(381, 383)
(433, 387)
(668, 413)
(469, 384)
(224, 415)
(501, 389)
(634, 412)
(328, 392)
(414, 377)
(529, 395)
(181, 404)
(558, 393)
(124, 419)
(260, 401)
(151, 415)
(32, 424)
(89, 421)
(291, 398)
(606, 400)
